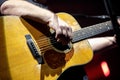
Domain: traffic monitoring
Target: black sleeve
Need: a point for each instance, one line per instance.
(1, 2)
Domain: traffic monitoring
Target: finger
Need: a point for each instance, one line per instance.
(58, 33)
(64, 32)
(70, 33)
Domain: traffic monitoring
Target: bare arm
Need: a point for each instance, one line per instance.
(28, 10)
(100, 43)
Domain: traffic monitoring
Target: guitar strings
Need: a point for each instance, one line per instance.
(45, 48)
(44, 43)
(45, 40)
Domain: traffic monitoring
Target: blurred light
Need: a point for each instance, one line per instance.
(105, 68)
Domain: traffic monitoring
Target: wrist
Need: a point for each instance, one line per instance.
(53, 21)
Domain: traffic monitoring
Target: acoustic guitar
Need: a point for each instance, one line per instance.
(29, 51)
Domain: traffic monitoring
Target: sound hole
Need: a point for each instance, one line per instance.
(58, 45)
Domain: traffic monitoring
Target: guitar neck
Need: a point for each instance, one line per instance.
(90, 31)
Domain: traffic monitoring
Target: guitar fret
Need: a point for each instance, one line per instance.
(91, 31)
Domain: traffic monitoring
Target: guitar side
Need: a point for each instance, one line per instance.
(16, 60)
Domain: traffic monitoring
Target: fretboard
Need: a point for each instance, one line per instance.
(90, 31)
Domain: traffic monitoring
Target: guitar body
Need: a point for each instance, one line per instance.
(16, 60)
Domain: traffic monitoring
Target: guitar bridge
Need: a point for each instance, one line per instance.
(33, 49)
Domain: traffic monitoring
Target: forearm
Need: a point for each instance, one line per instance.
(100, 43)
(27, 10)
(30, 11)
